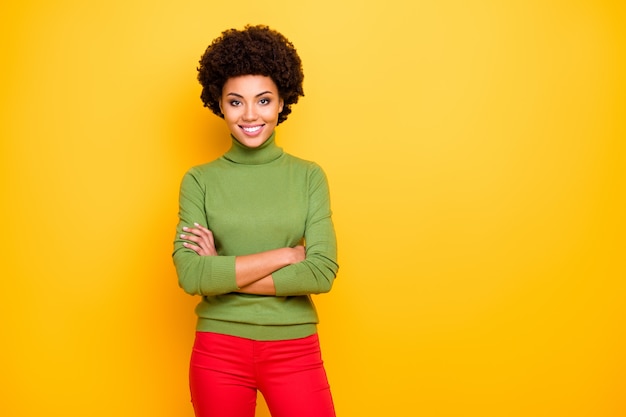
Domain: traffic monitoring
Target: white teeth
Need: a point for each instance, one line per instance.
(252, 129)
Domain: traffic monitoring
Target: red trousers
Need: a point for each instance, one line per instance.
(226, 372)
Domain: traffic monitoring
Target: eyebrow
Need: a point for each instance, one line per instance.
(258, 95)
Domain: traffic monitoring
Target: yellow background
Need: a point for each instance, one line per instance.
(476, 156)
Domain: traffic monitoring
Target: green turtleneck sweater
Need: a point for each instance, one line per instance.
(255, 200)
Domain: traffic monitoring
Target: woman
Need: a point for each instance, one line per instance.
(244, 222)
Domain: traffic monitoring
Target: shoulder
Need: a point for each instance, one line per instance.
(309, 166)
(198, 176)
(311, 172)
(206, 168)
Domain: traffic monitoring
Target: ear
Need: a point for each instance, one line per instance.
(280, 105)
(220, 103)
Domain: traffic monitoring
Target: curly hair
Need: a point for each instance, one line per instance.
(255, 50)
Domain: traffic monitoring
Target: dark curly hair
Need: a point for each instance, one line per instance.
(255, 50)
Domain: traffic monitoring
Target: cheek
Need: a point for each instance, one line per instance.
(230, 115)
(272, 114)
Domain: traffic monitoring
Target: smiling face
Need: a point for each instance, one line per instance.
(250, 105)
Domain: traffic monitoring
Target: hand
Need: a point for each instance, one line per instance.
(200, 240)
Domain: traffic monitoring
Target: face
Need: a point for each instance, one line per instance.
(250, 105)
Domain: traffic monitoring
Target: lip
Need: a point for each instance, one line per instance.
(252, 130)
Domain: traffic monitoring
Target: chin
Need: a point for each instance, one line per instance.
(252, 142)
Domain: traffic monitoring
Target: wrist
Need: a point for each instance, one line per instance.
(291, 256)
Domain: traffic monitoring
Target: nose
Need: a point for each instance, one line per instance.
(249, 114)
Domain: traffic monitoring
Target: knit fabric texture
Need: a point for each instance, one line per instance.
(254, 200)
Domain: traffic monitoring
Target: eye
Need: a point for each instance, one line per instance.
(264, 101)
(235, 103)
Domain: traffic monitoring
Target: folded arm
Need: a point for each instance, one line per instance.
(252, 272)
(283, 272)
(317, 272)
(200, 271)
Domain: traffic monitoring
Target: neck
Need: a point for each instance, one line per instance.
(242, 154)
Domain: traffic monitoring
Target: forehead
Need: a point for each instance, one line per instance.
(249, 85)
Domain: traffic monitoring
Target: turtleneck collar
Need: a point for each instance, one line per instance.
(241, 154)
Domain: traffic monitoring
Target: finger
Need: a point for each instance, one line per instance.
(196, 230)
(199, 247)
(200, 231)
(197, 236)
(199, 226)
(194, 248)
(202, 237)
(206, 234)
(195, 239)
(199, 244)
(210, 238)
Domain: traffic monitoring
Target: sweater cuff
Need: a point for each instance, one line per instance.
(221, 280)
(286, 281)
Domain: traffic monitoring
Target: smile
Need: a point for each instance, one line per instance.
(251, 129)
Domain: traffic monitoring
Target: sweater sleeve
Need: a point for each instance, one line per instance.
(199, 275)
(317, 272)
